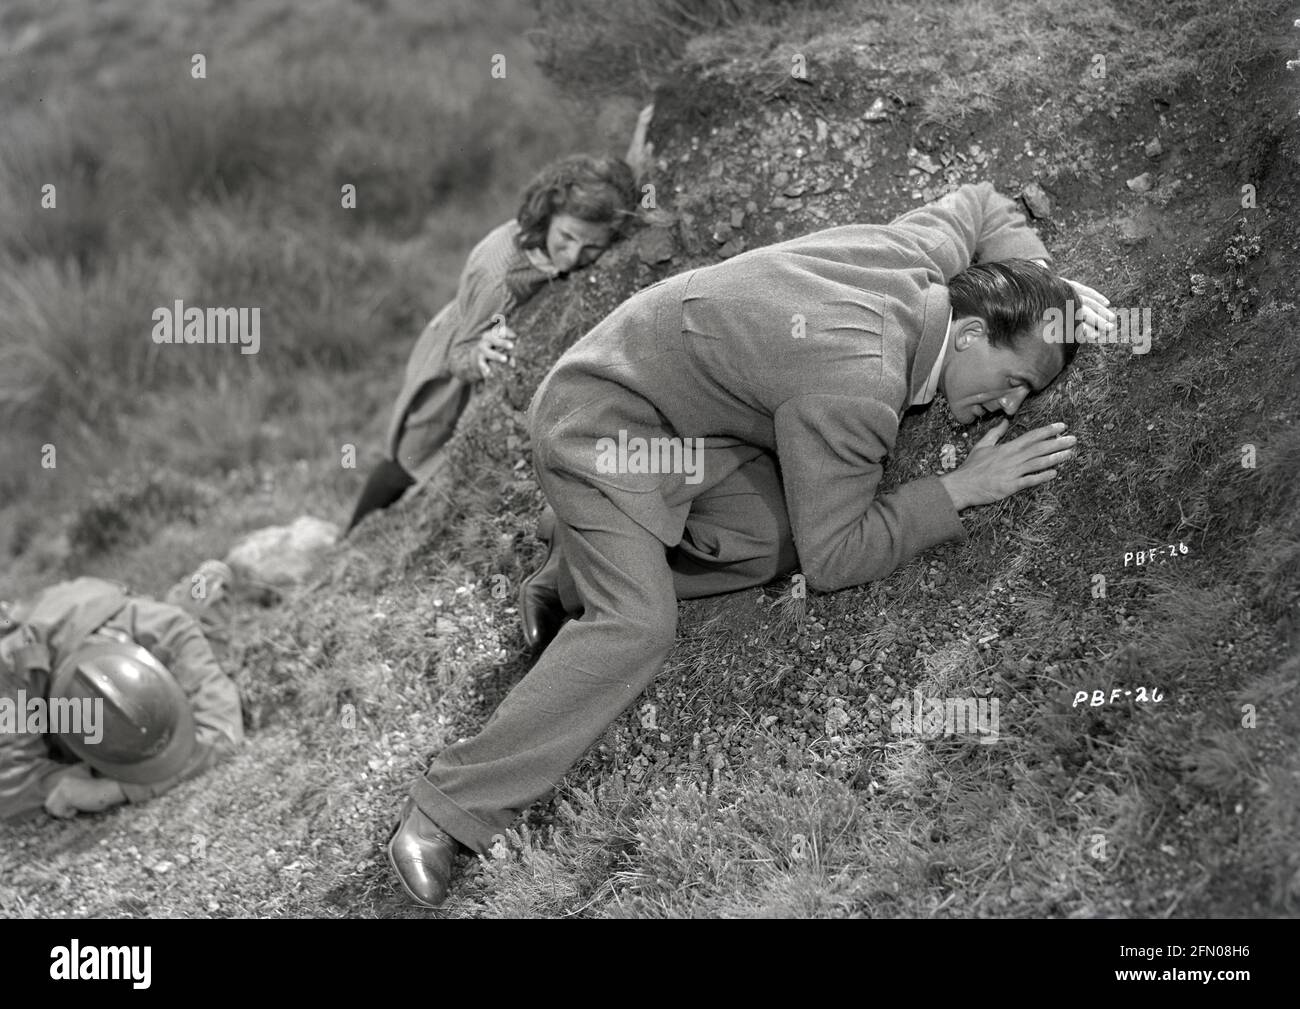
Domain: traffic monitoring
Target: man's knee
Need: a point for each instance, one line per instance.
(652, 629)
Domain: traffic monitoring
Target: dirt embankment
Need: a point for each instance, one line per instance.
(762, 774)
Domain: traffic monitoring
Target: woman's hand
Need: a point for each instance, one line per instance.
(496, 344)
(639, 153)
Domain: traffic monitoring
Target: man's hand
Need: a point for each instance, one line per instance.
(1092, 313)
(992, 471)
(77, 792)
(494, 345)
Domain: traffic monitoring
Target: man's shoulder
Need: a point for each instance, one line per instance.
(56, 600)
(860, 249)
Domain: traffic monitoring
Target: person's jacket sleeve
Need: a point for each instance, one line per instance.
(482, 294)
(174, 638)
(832, 448)
(27, 772)
(974, 223)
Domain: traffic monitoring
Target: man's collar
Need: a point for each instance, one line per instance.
(927, 365)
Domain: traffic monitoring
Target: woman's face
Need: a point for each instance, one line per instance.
(572, 243)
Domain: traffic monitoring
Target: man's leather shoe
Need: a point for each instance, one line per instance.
(422, 853)
(540, 609)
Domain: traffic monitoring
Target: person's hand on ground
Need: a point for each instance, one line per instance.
(77, 792)
(992, 471)
(1092, 311)
(495, 345)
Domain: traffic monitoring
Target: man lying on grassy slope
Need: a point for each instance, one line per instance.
(780, 376)
(155, 706)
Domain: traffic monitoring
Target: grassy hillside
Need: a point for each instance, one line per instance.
(761, 775)
(227, 190)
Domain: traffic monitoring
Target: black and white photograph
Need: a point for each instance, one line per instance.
(670, 459)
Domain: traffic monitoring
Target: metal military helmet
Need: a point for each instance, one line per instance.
(147, 725)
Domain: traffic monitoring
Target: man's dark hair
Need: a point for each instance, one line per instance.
(1012, 297)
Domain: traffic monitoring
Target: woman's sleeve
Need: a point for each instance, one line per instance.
(481, 297)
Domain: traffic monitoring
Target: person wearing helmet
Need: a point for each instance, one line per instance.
(106, 698)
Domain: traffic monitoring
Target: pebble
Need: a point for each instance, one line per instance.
(1038, 202)
(1140, 183)
(877, 111)
(655, 245)
(1133, 230)
(926, 164)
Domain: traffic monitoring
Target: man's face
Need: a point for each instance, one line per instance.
(573, 243)
(978, 379)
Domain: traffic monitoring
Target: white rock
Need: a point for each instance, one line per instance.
(282, 555)
(1038, 202)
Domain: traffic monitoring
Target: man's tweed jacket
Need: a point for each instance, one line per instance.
(810, 349)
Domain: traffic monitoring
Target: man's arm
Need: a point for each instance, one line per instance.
(975, 222)
(30, 779)
(831, 448)
(174, 637)
(27, 773)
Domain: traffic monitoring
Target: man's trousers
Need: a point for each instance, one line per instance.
(625, 584)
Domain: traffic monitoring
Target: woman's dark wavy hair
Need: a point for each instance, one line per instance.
(597, 189)
(1012, 297)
